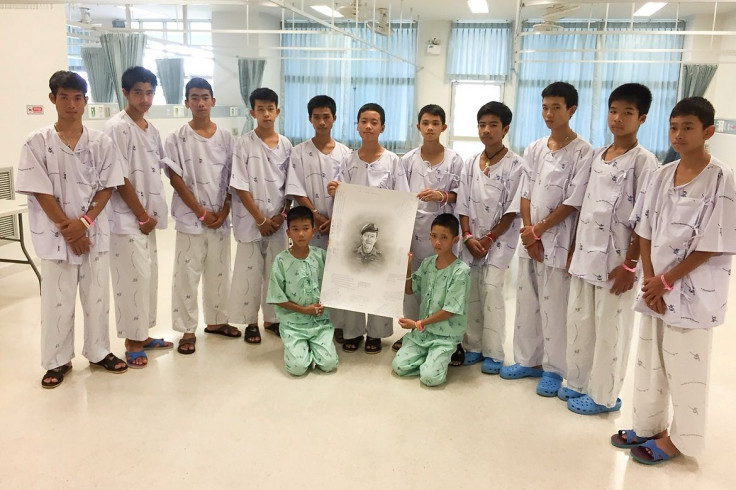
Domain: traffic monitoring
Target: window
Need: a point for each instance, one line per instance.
(596, 64)
(352, 74)
(467, 98)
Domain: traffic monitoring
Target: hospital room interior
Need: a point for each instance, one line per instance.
(230, 416)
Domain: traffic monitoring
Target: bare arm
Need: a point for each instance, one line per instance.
(264, 224)
(130, 196)
(50, 207)
(185, 194)
(313, 310)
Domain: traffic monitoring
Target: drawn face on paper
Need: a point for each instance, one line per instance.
(368, 240)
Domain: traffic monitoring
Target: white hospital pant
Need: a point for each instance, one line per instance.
(134, 271)
(486, 331)
(354, 324)
(252, 270)
(540, 330)
(674, 363)
(58, 301)
(599, 328)
(208, 255)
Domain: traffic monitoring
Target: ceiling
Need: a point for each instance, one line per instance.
(407, 9)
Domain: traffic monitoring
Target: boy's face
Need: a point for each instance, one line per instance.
(491, 130)
(200, 102)
(555, 112)
(687, 133)
(430, 127)
(140, 96)
(368, 240)
(442, 239)
(369, 125)
(300, 231)
(322, 120)
(265, 113)
(69, 103)
(624, 118)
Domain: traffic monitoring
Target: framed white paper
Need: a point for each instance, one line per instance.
(368, 250)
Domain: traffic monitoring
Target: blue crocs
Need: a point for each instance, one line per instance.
(566, 393)
(473, 358)
(517, 371)
(490, 366)
(549, 385)
(585, 405)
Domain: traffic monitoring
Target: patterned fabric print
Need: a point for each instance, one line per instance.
(261, 171)
(204, 165)
(556, 178)
(73, 177)
(142, 157)
(697, 216)
(604, 229)
(485, 199)
(384, 173)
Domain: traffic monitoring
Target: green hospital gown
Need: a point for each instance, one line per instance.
(306, 338)
(428, 353)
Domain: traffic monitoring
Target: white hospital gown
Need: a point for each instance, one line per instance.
(604, 229)
(555, 178)
(385, 173)
(485, 199)
(680, 220)
(141, 153)
(204, 166)
(444, 176)
(309, 173)
(261, 171)
(73, 177)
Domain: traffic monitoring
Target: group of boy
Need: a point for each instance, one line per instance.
(585, 219)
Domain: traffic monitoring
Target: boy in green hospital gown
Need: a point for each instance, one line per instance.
(442, 283)
(293, 288)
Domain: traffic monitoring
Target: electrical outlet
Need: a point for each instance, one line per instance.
(234, 112)
(96, 111)
(179, 111)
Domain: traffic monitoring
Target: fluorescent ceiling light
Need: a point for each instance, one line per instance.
(478, 6)
(325, 10)
(649, 8)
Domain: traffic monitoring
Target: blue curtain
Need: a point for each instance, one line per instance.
(595, 73)
(479, 51)
(352, 75)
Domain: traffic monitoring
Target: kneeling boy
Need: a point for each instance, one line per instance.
(296, 277)
(442, 284)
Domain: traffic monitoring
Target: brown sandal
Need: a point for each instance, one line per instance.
(224, 330)
(190, 341)
(252, 334)
(351, 345)
(372, 345)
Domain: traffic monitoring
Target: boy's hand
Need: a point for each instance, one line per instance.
(277, 220)
(485, 242)
(332, 187)
(408, 265)
(81, 246)
(653, 290)
(149, 226)
(527, 236)
(71, 229)
(623, 280)
(319, 220)
(315, 309)
(324, 228)
(266, 228)
(475, 248)
(407, 323)
(430, 195)
(658, 306)
(209, 219)
(219, 219)
(536, 251)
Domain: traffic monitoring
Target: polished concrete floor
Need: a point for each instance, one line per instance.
(229, 416)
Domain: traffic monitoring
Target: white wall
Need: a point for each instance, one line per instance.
(34, 47)
(431, 85)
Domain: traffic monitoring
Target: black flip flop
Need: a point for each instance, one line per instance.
(251, 333)
(108, 364)
(458, 358)
(351, 345)
(397, 345)
(372, 345)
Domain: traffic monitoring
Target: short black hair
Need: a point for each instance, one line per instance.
(372, 106)
(321, 101)
(564, 90)
(137, 74)
(265, 94)
(449, 221)
(498, 109)
(197, 82)
(297, 213)
(433, 110)
(634, 93)
(67, 79)
(699, 107)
